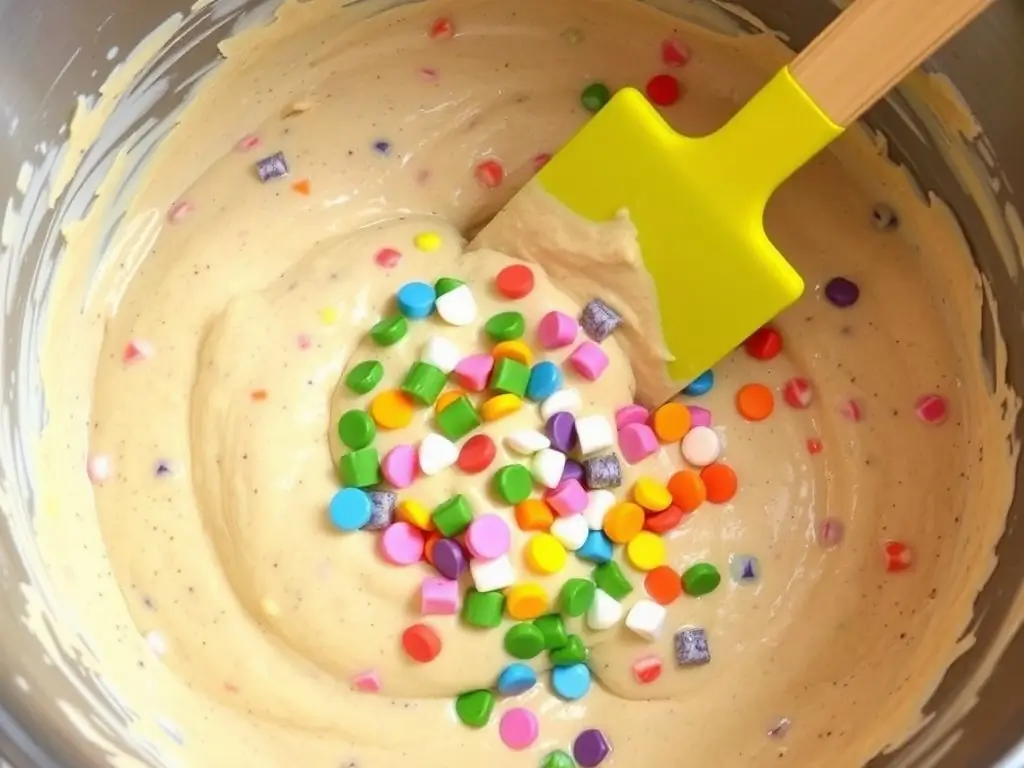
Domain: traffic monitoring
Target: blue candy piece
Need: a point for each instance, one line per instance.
(701, 385)
(416, 300)
(597, 548)
(350, 509)
(545, 380)
(571, 682)
(515, 679)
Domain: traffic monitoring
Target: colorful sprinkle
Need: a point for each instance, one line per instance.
(595, 96)
(755, 402)
(428, 242)
(687, 490)
(830, 533)
(852, 410)
(898, 557)
(744, 569)
(590, 748)
(932, 409)
(589, 360)
(647, 669)
(416, 300)
(663, 90)
(598, 320)
(402, 544)
(421, 643)
(474, 708)
(518, 728)
(556, 330)
(605, 611)
(441, 29)
(515, 281)
(137, 350)
(387, 258)
(273, 167)
(701, 385)
(436, 453)
(663, 585)
(637, 442)
(534, 515)
(842, 292)
(547, 467)
(392, 409)
(349, 509)
(367, 681)
(675, 52)
(631, 414)
(439, 596)
(646, 551)
(545, 554)
(572, 681)
(691, 647)
(248, 142)
(516, 678)
(491, 575)
(701, 446)
(764, 343)
(179, 211)
(526, 601)
(483, 609)
(489, 173)
(814, 446)
(720, 482)
(646, 618)
(798, 393)
(488, 537)
(571, 531)
(545, 379)
(523, 641)
(302, 187)
(449, 559)
(603, 472)
(476, 454)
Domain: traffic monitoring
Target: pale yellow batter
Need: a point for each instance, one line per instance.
(259, 613)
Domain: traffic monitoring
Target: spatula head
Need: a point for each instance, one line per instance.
(698, 220)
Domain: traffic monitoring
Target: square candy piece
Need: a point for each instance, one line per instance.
(691, 647)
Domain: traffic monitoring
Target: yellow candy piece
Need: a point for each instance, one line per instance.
(646, 551)
(414, 513)
(652, 495)
(515, 349)
(499, 406)
(328, 315)
(526, 601)
(447, 398)
(545, 554)
(427, 241)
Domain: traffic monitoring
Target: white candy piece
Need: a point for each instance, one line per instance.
(700, 446)
(527, 442)
(572, 531)
(567, 400)
(441, 353)
(489, 575)
(547, 467)
(436, 453)
(457, 307)
(594, 434)
(604, 612)
(646, 618)
(598, 504)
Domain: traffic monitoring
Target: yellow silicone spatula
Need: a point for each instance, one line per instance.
(698, 203)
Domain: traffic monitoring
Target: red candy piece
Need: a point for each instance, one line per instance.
(852, 410)
(387, 258)
(489, 173)
(664, 521)
(442, 29)
(421, 643)
(515, 281)
(798, 392)
(674, 52)
(540, 160)
(898, 556)
(477, 454)
(663, 90)
(932, 409)
(647, 669)
(764, 343)
(814, 445)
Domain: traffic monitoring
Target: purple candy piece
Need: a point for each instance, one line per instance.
(602, 472)
(699, 417)
(382, 510)
(574, 471)
(598, 320)
(691, 645)
(273, 167)
(561, 431)
(842, 292)
(449, 559)
(590, 748)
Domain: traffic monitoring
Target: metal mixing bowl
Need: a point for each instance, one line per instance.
(53, 50)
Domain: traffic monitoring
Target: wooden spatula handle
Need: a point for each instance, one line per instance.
(871, 46)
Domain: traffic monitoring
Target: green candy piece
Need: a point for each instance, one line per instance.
(356, 429)
(360, 469)
(365, 376)
(510, 376)
(389, 330)
(452, 517)
(557, 759)
(506, 326)
(513, 483)
(701, 579)
(474, 708)
(445, 285)
(458, 419)
(483, 609)
(595, 96)
(612, 580)
(524, 640)
(576, 597)
(553, 629)
(573, 652)
(424, 382)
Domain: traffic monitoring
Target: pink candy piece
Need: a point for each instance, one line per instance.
(473, 372)
(675, 52)
(589, 360)
(402, 544)
(136, 350)
(399, 466)
(439, 596)
(303, 341)
(567, 498)
(387, 258)
(488, 537)
(557, 329)
(852, 410)
(540, 160)
(98, 468)
(637, 442)
(932, 409)
(699, 417)
(518, 728)
(179, 211)
(631, 414)
(798, 392)
(367, 682)
(249, 142)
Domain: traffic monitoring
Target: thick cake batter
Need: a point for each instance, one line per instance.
(228, 613)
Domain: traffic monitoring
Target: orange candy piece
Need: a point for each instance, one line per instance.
(687, 489)
(623, 522)
(391, 409)
(447, 398)
(663, 585)
(670, 422)
(720, 481)
(515, 349)
(755, 402)
(534, 515)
